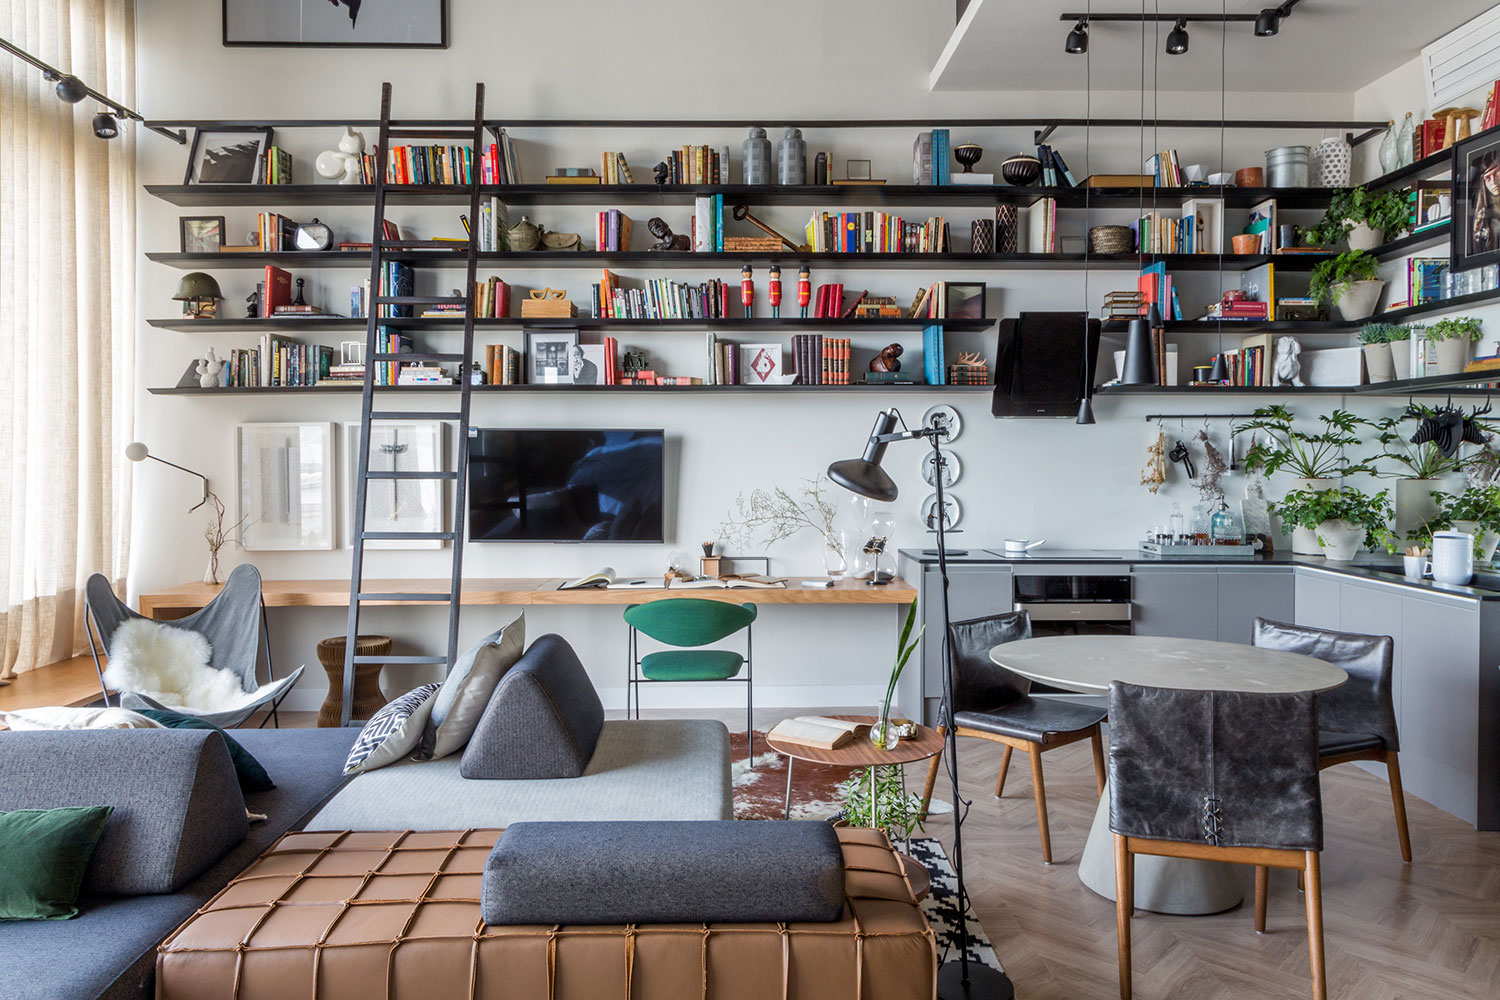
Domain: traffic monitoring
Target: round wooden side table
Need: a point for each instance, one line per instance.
(368, 698)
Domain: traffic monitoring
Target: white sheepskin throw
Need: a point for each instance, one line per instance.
(170, 665)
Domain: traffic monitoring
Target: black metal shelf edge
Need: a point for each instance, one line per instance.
(1233, 326)
(1440, 233)
(728, 323)
(1469, 383)
(386, 390)
(1221, 390)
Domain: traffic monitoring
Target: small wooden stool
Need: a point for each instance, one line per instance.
(368, 698)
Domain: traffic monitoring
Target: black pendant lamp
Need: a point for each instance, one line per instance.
(1140, 359)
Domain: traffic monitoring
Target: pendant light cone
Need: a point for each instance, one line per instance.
(1140, 359)
(1220, 372)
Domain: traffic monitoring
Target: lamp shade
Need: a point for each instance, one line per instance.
(197, 285)
(1078, 40)
(1177, 39)
(106, 126)
(71, 89)
(137, 451)
(864, 475)
(1140, 357)
(1267, 22)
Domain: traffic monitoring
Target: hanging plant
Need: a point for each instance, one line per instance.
(1211, 483)
(1155, 472)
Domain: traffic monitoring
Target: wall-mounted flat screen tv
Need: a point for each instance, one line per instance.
(530, 485)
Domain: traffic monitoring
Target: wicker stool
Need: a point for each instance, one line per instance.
(368, 698)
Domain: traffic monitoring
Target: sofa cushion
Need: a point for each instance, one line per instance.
(467, 690)
(43, 855)
(664, 873)
(393, 732)
(253, 777)
(543, 721)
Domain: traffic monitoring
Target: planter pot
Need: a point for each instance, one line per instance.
(1357, 299)
(1341, 540)
(1401, 358)
(1485, 542)
(1362, 237)
(1453, 355)
(1378, 362)
(1414, 505)
(1305, 540)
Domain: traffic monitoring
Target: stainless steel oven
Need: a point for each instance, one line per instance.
(1065, 601)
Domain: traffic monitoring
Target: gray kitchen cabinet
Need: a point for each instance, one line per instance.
(1375, 610)
(973, 592)
(1317, 600)
(1440, 690)
(1177, 601)
(1250, 592)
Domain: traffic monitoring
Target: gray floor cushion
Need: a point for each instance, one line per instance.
(642, 769)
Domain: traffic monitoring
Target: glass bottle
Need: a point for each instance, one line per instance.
(1201, 525)
(1225, 527)
(1404, 151)
(1174, 523)
(1389, 158)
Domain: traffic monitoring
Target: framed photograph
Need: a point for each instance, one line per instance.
(760, 364)
(284, 478)
(227, 155)
(1434, 204)
(201, 234)
(398, 504)
(385, 24)
(965, 300)
(1476, 201)
(549, 356)
(587, 364)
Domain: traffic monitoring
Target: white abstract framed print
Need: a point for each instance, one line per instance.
(398, 504)
(285, 486)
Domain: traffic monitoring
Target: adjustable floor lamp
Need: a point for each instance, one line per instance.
(960, 980)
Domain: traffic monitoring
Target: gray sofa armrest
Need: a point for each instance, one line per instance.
(178, 806)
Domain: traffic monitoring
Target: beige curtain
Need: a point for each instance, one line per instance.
(67, 313)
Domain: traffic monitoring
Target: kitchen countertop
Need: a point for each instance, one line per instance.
(1372, 566)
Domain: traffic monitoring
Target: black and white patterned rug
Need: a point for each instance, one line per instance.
(941, 910)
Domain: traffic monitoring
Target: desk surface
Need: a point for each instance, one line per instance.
(177, 601)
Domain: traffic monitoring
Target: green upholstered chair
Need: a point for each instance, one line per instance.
(689, 624)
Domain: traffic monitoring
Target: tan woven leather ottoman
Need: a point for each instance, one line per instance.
(395, 916)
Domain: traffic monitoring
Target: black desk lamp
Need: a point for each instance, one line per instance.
(959, 980)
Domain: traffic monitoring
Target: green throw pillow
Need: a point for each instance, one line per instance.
(43, 855)
(253, 777)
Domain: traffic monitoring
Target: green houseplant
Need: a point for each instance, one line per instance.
(882, 733)
(1455, 337)
(1476, 511)
(1417, 469)
(1316, 458)
(1376, 338)
(1343, 520)
(1350, 281)
(1364, 218)
(886, 804)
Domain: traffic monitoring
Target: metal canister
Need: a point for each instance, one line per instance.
(791, 158)
(1286, 166)
(756, 155)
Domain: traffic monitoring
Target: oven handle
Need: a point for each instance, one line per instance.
(1083, 612)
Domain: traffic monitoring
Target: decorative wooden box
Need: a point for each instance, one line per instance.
(548, 303)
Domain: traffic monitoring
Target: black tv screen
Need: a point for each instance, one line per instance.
(565, 485)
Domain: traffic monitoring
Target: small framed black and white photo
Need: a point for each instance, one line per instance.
(201, 234)
(587, 363)
(228, 155)
(385, 24)
(550, 356)
(1476, 202)
(965, 300)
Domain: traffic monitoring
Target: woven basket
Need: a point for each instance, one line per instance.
(1111, 239)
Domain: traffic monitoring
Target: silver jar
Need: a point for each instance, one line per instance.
(791, 158)
(1287, 167)
(756, 155)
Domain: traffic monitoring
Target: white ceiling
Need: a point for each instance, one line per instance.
(1326, 46)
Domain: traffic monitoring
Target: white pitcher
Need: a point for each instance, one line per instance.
(1452, 557)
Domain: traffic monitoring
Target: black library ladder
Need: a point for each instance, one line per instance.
(381, 296)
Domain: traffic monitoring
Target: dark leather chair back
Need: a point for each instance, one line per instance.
(1231, 769)
(979, 683)
(1363, 704)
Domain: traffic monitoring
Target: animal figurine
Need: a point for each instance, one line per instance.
(209, 369)
(668, 240)
(660, 173)
(1288, 365)
(343, 163)
(1447, 427)
(888, 360)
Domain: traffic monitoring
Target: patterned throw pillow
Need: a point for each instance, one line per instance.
(393, 732)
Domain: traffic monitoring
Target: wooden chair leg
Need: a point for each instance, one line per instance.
(1004, 768)
(1315, 926)
(1124, 907)
(1398, 800)
(1262, 877)
(932, 773)
(1039, 792)
(1097, 739)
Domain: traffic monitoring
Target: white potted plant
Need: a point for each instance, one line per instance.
(1400, 351)
(1316, 459)
(1376, 338)
(1351, 282)
(1454, 337)
(1417, 468)
(1364, 219)
(1344, 521)
(1475, 511)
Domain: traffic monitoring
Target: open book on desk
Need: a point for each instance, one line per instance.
(818, 731)
(606, 578)
(745, 582)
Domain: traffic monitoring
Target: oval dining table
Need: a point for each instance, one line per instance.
(1086, 664)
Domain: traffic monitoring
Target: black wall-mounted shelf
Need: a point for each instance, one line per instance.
(638, 389)
(1467, 383)
(790, 324)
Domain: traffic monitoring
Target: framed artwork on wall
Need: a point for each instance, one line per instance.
(284, 478)
(398, 504)
(386, 24)
(1476, 202)
(227, 155)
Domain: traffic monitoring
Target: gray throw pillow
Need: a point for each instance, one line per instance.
(393, 732)
(465, 693)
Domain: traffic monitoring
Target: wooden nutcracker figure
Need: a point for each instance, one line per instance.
(747, 291)
(804, 289)
(775, 291)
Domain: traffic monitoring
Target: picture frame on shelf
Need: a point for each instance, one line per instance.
(760, 364)
(284, 485)
(398, 504)
(200, 233)
(228, 155)
(549, 356)
(1434, 204)
(587, 363)
(395, 24)
(1475, 239)
(965, 299)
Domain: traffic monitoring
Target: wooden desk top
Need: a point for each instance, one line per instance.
(188, 597)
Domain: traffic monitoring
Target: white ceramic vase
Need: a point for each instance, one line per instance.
(1485, 542)
(1414, 505)
(1362, 237)
(1378, 362)
(1401, 358)
(1341, 540)
(1357, 299)
(1305, 540)
(1453, 355)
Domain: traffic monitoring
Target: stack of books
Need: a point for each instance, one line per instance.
(275, 232)
(423, 375)
(343, 374)
(429, 165)
(491, 299)
(661, 298)
(875, 232)
(278, 362)
(612, 231)
(573, 175)
(1165, 169)
(502, 364)
(697, 165)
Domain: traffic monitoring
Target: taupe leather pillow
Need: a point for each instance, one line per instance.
(461, 700)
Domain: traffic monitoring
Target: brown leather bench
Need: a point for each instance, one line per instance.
(395, 915)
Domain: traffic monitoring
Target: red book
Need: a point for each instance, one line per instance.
(278, 291)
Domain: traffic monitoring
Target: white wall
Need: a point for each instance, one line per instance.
(1075, 486)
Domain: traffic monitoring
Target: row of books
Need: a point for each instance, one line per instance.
(1055, 170)
(612, 230)
(277, 362)
(875, 232)
(740, 364)
(820, 360)
(931, 158)
(933, 366)
(502, 365)
(708, 224)
(275, 166)
(1424, 279)
(430, 165)
(1155, 286)
(497, 164)
(491, 298)
(697, 165)
(274, 232)
(613, 169)
(1166, 169)
(423, 374)
(661, 298)
(1253, 364)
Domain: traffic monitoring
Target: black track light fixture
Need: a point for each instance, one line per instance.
(1267, 22)
(73, 90)
(69, 87)
(1177, 38)
(1078, 39)
(106, 126)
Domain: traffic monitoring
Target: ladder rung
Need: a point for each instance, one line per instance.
(393, 474)
(424, 244)
(423, 387)
(400, 659)
(415, 415)
(431, 133)
(420, 300)
(434, 598)
(389, 536)
(418, 357)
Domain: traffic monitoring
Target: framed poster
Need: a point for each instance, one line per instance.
(284, 486)
(227, 155)
(550, 356)
(1476, 201)
(386, 24)
(200, 234)
(398, 504)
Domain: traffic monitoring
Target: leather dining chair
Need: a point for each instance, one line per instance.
(1357, 720)
(992, 703)
(1216, 776)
